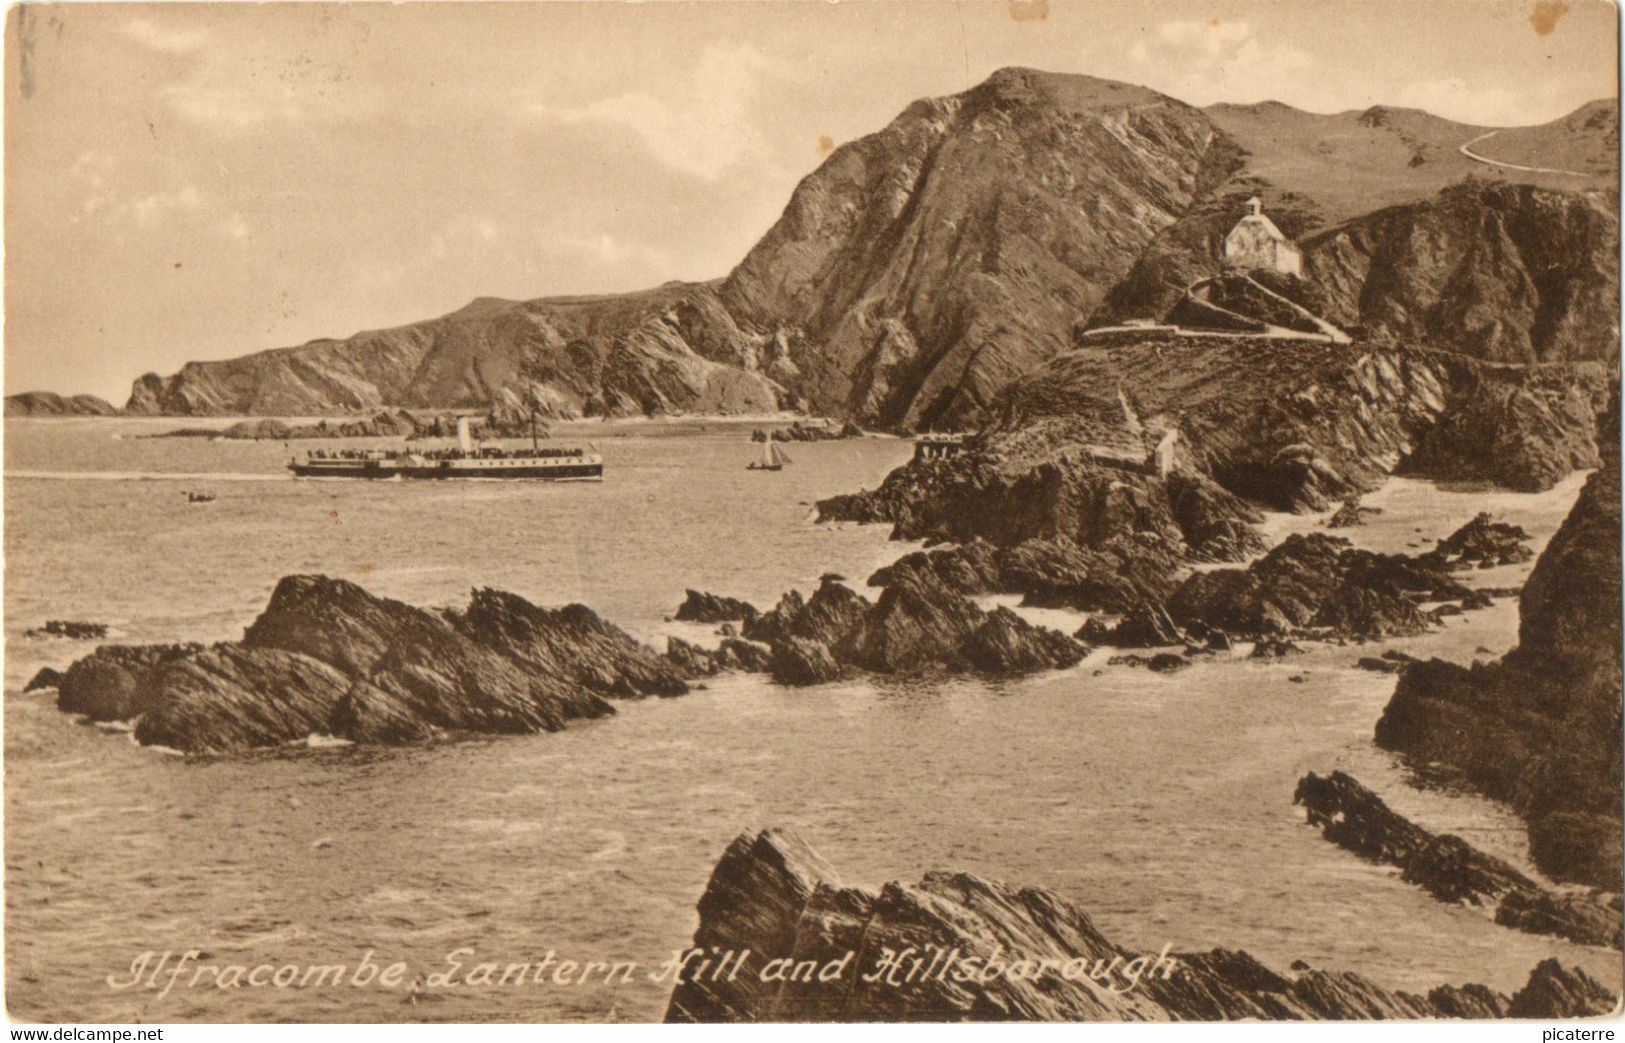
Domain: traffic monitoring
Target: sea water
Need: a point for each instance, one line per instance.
(1161, 804)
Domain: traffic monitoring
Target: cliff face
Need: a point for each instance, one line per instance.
(958, 947)
(1541, 727)
(670, 350)
(1506, 272)
(922, 268)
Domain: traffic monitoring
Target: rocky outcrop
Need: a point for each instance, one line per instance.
(44, 677)
(1524, 428)
(1316, 584)
(959, 947)
(731, 655)
(1541, 727)
(919, 623)
(73, 630)
(1482, 543)
(326, 657)
(1450, 869)
(49, 404)
(799, 431)
(700, 607)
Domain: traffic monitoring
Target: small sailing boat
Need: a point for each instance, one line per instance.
(773, 458)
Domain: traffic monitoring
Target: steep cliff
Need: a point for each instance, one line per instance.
(1541, 728)
(923, 267)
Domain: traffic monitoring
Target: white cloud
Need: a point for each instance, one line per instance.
(1204, 61)
(170, 41)
(702, 125)
(148, 209)
(1454, 99)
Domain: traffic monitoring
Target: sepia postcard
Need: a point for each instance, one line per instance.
(1030, 511)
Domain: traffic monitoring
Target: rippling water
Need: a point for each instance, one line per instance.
(1162, 804)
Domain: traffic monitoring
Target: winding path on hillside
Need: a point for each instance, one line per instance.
(1467, 151)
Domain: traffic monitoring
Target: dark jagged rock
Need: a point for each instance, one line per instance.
(1541, 727)
(70, 629)
(1274, 648)
(327, 657)
(1007, 644)
(1162, 662)
(700, 607)
(1447, 867)
(799, 431)
(1553, 987)
(827, 617)
(1480, 542)
(916, 624)
(970, 568)
(110, 684)
(45, 677)
(1350, 514)
(1147, 626)
(1316, 582)
(1381, 666)
(774, 900)
(800, 661)
(571, 642)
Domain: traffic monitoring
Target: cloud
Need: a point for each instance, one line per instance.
(148, 209)
(169, 41)
(1453, 98)
(702, 125)
(1204, 61)
(234, 226)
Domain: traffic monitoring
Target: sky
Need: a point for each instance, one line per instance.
(198, 181)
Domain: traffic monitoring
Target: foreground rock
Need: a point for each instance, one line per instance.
(1450, 869)
(988, 951)
(328, 658)
(1541, 728)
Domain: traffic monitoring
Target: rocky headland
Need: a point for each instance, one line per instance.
(923, 268)
(959, 947)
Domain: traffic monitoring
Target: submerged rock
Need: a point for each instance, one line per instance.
(990, 951)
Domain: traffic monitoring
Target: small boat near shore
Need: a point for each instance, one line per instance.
(773, 458)
(468, 459)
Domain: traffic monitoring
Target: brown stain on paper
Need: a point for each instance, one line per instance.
(1028, 10)
(826, 144)
(1545, 15)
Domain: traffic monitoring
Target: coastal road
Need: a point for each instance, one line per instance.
(1467, 151)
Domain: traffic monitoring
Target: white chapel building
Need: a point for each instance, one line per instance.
(1255, 242)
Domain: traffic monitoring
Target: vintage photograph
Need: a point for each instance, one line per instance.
(1020, 511)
